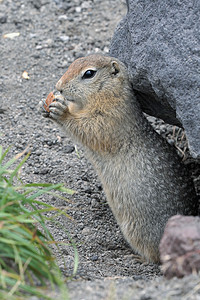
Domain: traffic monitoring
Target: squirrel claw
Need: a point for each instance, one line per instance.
(41, 108)
(43, 104)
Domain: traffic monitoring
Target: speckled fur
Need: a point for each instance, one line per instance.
(142, 176)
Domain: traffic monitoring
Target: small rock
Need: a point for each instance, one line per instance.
(180, 246)
(44, 171)
(2, 110)
(163, 129)
(36, 171)
(62, 17)
(78, 9)
(39, 47)
(64, 64)
(94, 258)
(49, 143)
(3, 18)
(84, 177)
(38, 152)
(86, 231)
(65, 5)
(64, 38)
(65, 251)
(145, 297)
(99, 186)
(94, 203)
(77, 54)
(36, 56)
(36, 3)
(86, 4)
(87, 189)
(106, 49)
(170, 141)
(68, 149)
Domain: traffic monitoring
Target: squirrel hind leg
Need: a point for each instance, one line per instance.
(152, 255)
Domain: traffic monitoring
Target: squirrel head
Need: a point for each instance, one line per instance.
(92, 80)
(98, 95)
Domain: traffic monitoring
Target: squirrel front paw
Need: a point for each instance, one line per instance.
(58, 108)
(54, 106)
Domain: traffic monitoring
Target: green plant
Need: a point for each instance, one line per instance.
(26, 261)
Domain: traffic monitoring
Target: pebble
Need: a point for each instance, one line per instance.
(78, 9)
(62, 17)
(68, 149)
(36, 3)
(171, 142)
(86, 231)
(38, 152)
(44, 171)
(36, 171)
(64, 38)
(86, 4)
(39, 47)
(163, 129)
(64, 64)
(94, 203)
(94, 258)
(3, 18)
(50, 143)
(36, 56)
(64, 4)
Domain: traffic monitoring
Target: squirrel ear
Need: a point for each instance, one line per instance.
(115, 69)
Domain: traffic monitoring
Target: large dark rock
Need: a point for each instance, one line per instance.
(159, 42)
(180, 246)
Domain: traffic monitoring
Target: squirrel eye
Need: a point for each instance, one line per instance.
(89, 74)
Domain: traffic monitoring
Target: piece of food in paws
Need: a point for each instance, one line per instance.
(50, 98)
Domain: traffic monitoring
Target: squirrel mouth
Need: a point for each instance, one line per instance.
(66, 98)
(69, 99)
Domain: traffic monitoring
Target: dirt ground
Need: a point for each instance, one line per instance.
(50, 34)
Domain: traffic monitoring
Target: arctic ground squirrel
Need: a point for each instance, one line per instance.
(143, 178)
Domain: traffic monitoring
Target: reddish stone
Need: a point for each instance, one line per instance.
(180, 246)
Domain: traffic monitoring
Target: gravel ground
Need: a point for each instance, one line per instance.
(50, 35)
